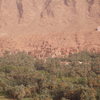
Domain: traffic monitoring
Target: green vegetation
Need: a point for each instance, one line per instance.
(76, 77)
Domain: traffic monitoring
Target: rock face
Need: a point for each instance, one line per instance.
(49, 27)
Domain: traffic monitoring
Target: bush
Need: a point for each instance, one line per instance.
(23, 76)
(17, 92)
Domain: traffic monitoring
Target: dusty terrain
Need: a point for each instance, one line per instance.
(45, 28)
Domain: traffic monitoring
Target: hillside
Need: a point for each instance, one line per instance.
(45, 28)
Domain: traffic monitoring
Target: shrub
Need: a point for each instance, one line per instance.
(17, 92)
(22, 76)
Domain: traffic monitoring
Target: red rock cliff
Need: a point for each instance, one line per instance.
(49, 27)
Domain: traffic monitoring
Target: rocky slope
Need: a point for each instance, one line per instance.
(49, 27)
